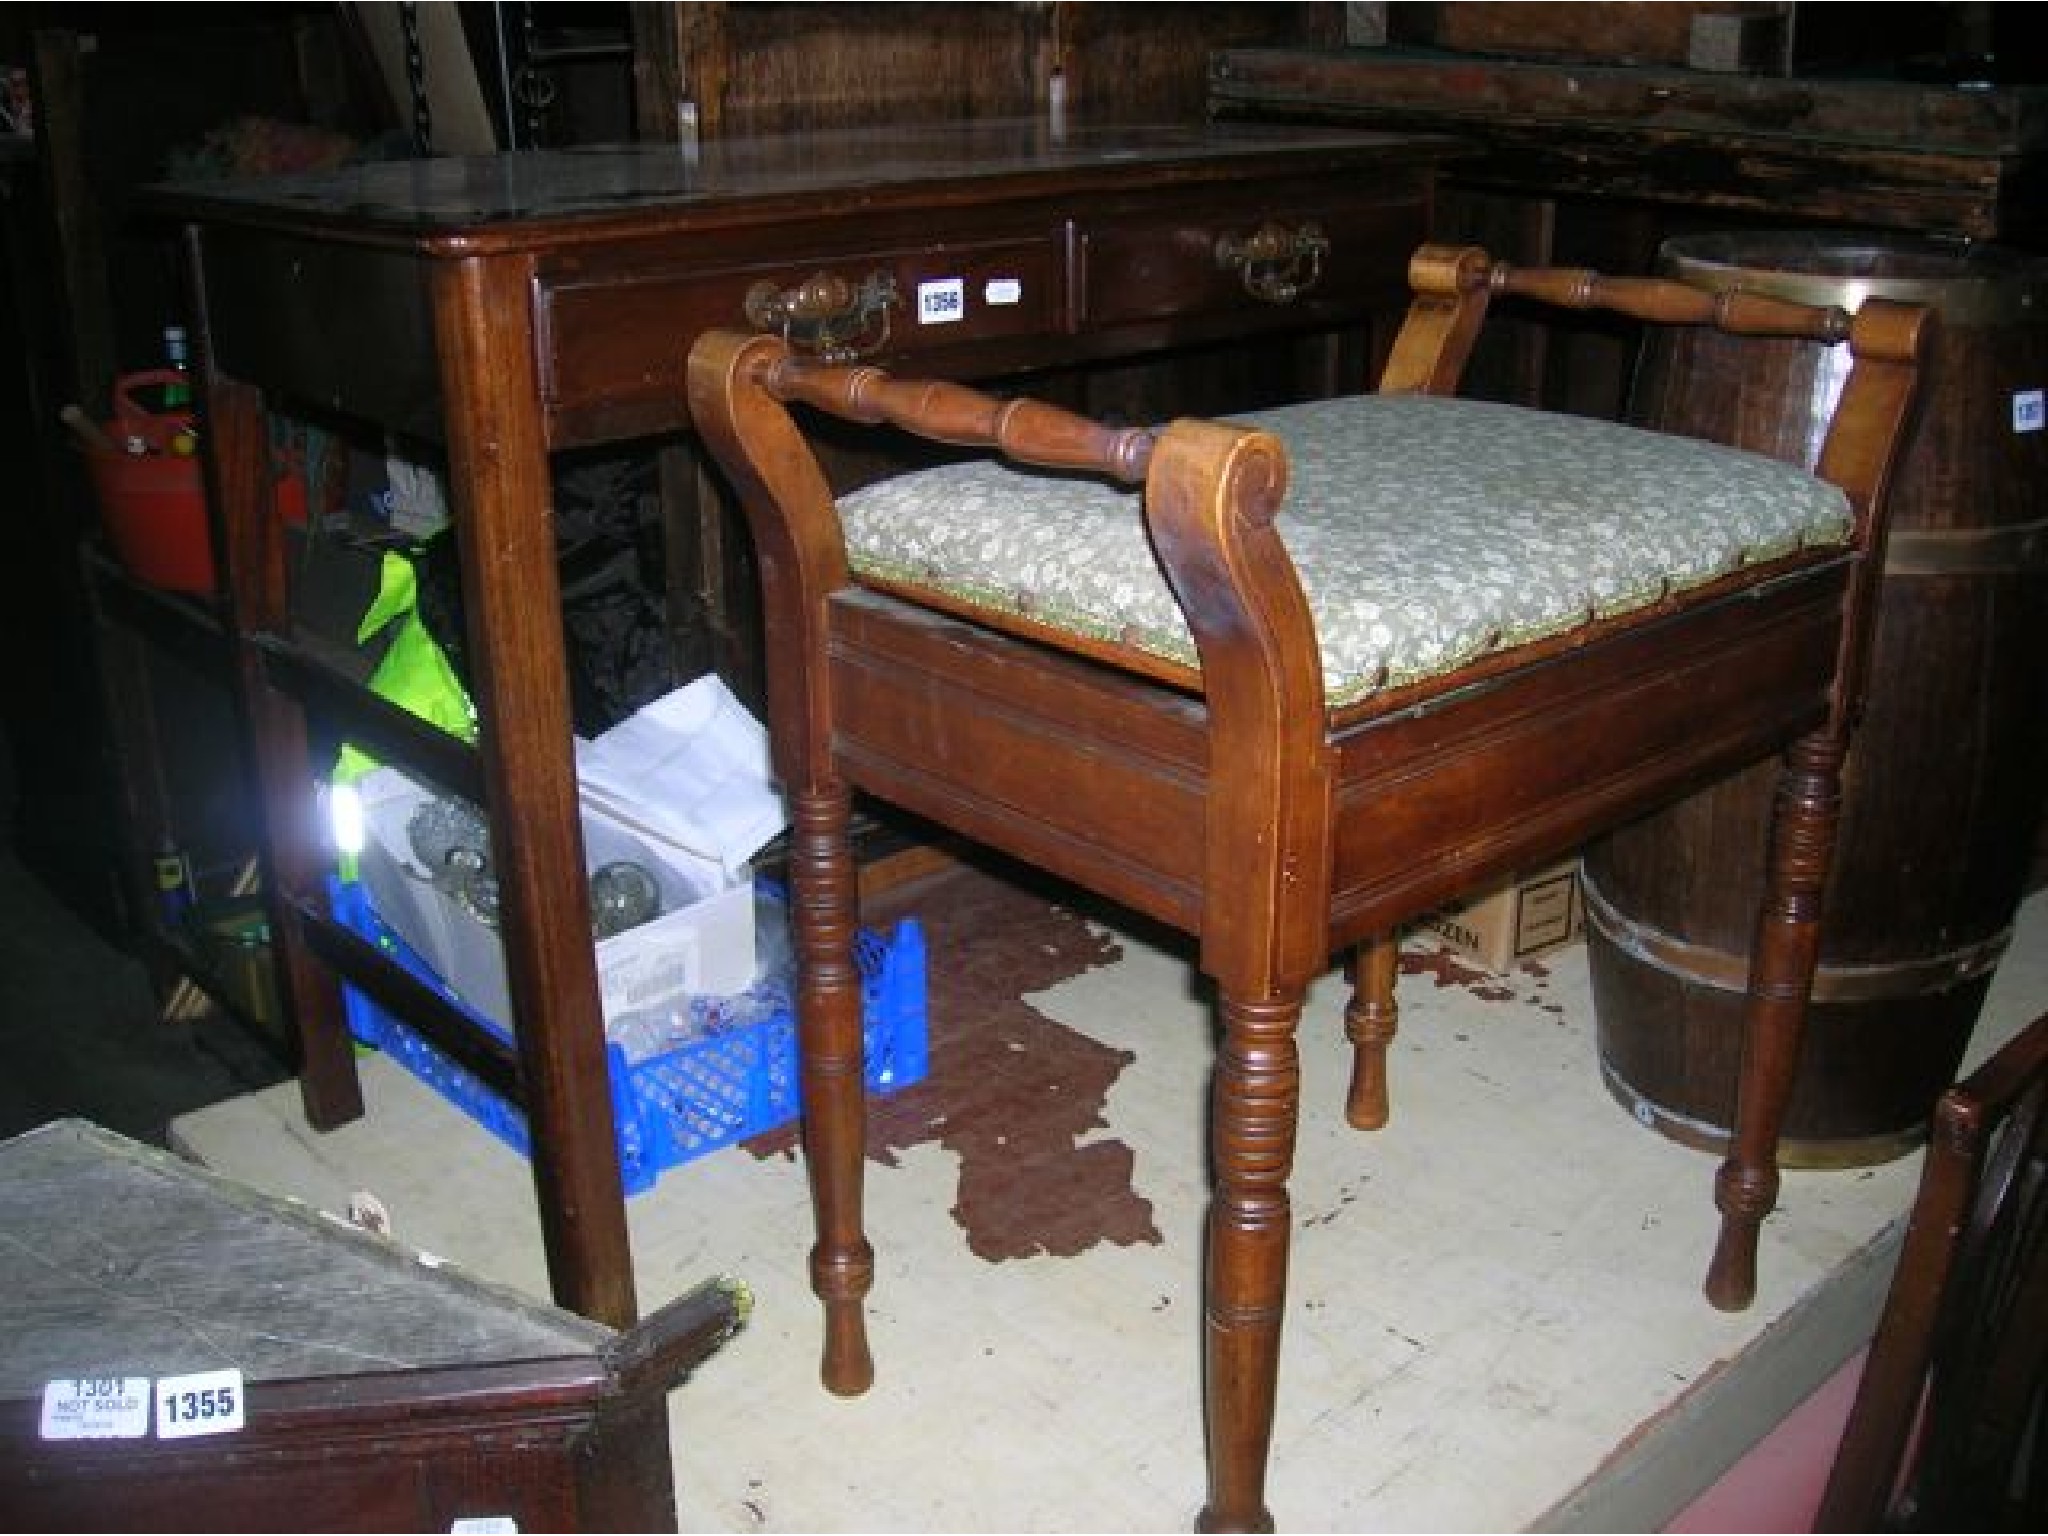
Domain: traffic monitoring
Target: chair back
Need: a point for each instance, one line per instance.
(1947, 1429)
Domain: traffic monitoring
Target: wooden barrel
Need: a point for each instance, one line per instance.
(1945, 781)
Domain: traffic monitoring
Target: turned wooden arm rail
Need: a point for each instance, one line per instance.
(1666, 302)
(1028, 431)
(1454, 286)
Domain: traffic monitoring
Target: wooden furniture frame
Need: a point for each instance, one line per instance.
(508, 308)
(1944, 1431)
(380, 1389)
(1231, 802)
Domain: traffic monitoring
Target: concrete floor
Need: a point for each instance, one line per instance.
(1495, 1320)
(1494, 1323)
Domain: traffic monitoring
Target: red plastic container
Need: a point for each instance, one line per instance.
(153, 504)
(153, 508)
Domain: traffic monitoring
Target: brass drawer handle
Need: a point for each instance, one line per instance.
(1276, 264)
(826, 315)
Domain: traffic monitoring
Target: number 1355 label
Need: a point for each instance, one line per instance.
(209, 1403)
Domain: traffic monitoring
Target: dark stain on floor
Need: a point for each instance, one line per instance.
(1450, 969)
(1010, 1091)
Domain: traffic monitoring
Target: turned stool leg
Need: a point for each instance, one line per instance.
(823, 919)
(1805, 817)
(1371, 1018)
(1255, 1111)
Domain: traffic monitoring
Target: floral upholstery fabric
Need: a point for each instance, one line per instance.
(1426, 531)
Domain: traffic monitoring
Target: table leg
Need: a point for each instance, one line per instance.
(502, 502)
(280, 760)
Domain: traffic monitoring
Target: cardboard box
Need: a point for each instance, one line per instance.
(1516, 921)
(703, 943)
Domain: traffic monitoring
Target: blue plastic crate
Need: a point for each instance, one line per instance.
(677, 1105)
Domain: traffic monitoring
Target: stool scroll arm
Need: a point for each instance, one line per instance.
(802, 561)
(1453, 288)
(1211, 500)
(1860, 453)
(739, 388)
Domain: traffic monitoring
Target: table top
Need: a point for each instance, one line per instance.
(120, 1259)
(508, 197)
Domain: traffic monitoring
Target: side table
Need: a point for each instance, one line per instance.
(366, 1387)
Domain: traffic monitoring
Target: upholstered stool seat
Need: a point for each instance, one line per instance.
(1286, 683)
(1427, 532)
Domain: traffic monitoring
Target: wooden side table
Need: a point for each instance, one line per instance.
(369, 1388)
(514, 306)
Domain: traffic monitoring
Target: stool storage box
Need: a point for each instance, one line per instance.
(185, 1353)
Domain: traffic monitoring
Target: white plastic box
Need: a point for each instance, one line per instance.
(702, 944)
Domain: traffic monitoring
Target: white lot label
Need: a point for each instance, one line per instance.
(2027, 411)
(1003, 290)
(207, 1403)
(941, 300)
(96, 1408)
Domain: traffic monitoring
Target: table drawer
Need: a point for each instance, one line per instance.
(613, 338)
(1306, 256)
